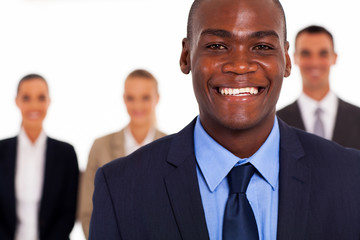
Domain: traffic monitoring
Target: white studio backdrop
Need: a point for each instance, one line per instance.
(85, 49)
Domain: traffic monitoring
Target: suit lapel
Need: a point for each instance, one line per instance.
(298, 122)
(183, 189)
(294, 182)
(293, 116)
(341, 123)
(50, 181)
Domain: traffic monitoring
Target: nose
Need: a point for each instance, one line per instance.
(315, 61)
(239, 62)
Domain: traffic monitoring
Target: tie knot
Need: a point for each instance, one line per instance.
(239, 178)
(318, 111)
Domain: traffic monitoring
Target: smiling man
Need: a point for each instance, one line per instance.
(318, 110)
(235, 172)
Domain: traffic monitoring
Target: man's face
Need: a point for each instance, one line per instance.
(238, 58)
(315, 55)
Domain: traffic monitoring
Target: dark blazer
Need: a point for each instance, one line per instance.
(58, 202)
(154, 193)
(347, 122)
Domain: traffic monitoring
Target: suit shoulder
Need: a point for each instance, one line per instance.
(60, 144)
(354, 110)
(106, 139)
(153, 154)
(62, 150)
(8, 145)
(7, 141)
(323, 148)
(289, 109)
(159, 134)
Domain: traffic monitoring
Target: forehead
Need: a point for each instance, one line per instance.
(34, 85)
(134, 84)
(313, 41)
(238, 16)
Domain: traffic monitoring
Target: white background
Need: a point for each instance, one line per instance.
(85, 49)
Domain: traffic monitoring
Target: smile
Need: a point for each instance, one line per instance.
(33, 115)
(239, 91)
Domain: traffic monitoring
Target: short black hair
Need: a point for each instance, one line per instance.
(196, 5)
(314, 29)
(29, 77)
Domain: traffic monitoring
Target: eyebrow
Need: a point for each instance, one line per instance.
(217, 32)
(262, 34)
(227, 34)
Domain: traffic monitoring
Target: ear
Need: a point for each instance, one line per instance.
(49, 102)
(157, 98)
(287, 60)
(185, 65)
(334, 59)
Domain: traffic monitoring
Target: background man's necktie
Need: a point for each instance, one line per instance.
(319, 125)
(239, 220)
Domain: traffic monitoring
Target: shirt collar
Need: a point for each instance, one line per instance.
(131, 140)
(328, 104)
(25, 141)
(215, 162)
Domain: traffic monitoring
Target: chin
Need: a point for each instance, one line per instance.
(236, 122)
(140, 121)
(33, 124)
(238, 125)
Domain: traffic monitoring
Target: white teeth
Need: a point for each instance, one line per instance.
(239, 91)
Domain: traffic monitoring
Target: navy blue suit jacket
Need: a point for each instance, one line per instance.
(154, 194)
(58, 202)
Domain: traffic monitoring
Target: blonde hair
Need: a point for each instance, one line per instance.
(141, 73)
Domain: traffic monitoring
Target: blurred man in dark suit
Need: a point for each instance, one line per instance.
(318, 110)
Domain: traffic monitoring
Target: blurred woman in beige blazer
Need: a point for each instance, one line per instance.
(141, 97)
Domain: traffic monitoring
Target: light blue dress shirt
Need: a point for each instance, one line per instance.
(214, 162)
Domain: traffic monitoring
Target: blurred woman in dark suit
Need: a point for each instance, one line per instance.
(38, 174)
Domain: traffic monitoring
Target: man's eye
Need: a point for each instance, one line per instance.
(26, 98)
(305, 54)
(263, 47)
(42, 98)
(216, 47)
(146, 98)
(324, 54)
(130, 98)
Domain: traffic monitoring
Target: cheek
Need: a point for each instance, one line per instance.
(201, 75)
(150, 105)
(275, 74)
(129, 106)
(24, 108)
(327, 63)
(303, 63)
(44, 107)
